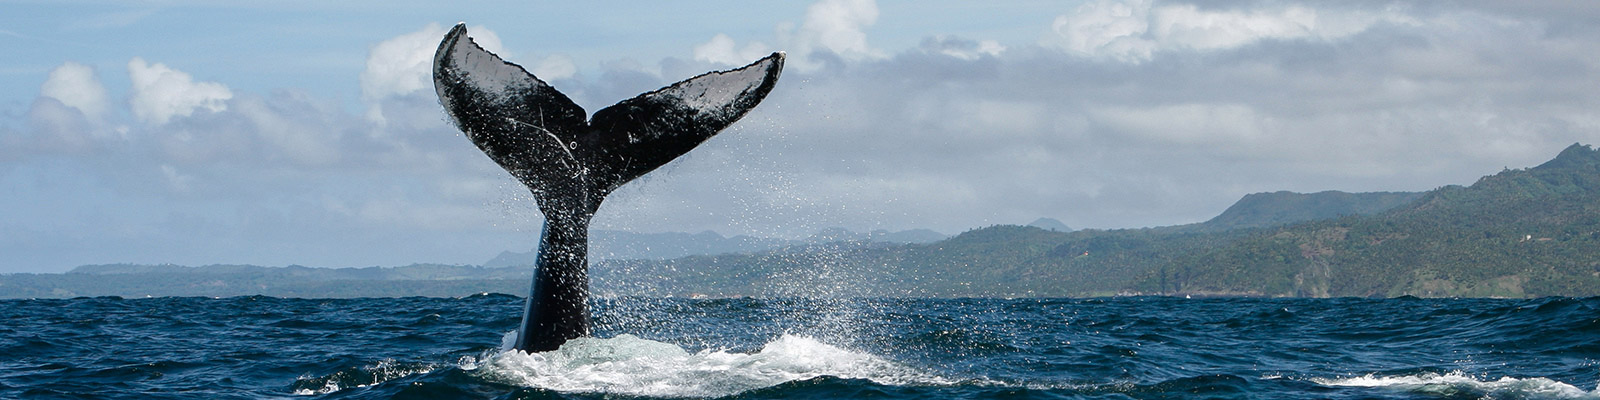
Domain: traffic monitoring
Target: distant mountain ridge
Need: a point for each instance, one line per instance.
(1259, 210)
(1050, 224)
(1519, 233)
(613, 244)
(133, 280)
(624, 245)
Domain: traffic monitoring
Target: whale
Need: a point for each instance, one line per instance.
(571, 161)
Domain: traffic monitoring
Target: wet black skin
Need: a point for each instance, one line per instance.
(570, 164)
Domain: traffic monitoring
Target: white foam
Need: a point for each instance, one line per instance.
(630, 365)
(508, 341)
(385, 370)
(1457, 382)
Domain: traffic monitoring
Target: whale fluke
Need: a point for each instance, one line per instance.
(572, 162)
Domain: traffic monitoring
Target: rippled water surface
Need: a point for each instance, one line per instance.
(1144, 348)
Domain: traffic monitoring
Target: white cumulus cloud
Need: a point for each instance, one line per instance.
(403, 64)
(160, 93)
(834, 26)
(75, 85)
(722, 50)
(838, 26)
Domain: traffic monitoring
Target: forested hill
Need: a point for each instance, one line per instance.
(1281, 208)
(1519, 233)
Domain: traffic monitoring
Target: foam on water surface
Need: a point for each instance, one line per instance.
(371, 375)
(630, 365)
(1457, 384)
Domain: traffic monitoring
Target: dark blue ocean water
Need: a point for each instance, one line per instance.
(1116, 348)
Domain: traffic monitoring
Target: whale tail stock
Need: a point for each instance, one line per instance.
(570, 164)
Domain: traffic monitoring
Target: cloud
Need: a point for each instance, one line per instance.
(57, 129)
(554, 67)
(961, 48)
(721, 50)
(75, 85)
(293, 127)
(1172, 114)
(160, 93)
(403, 64)
(838, 26)
(70, 116)
(1110, 27)
(834, 27)
(1133, 31)
(1187, 124)
(1155, 114)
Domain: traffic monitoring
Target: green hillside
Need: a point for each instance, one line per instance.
(1260, 210)
(1519, 233)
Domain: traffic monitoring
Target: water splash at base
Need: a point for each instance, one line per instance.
(630, 365)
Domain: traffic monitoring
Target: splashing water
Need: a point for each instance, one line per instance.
(630, 365)
(1457, 384)
(383, 371)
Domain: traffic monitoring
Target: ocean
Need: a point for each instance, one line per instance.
(648, 348)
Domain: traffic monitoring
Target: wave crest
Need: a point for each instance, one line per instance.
(1459, 384)
(629, 365)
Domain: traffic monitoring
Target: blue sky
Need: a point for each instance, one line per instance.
(290, 132)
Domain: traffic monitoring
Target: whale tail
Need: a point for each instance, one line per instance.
(571, 162)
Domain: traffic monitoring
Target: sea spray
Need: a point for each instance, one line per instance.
(629, 365)
(1456, 384)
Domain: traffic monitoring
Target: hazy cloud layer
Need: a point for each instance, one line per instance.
(1119, 114)
(1136, 30)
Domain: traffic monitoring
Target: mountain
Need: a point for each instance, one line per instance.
(1518, 233)
(129, 280)
(612, 244)
(1281, 208)
(623, 245)
(1050, 224)
(845, 235)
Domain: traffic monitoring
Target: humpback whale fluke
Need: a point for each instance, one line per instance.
(542, 138)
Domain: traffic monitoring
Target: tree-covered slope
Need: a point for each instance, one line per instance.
(1260, 210)
(1519, 233)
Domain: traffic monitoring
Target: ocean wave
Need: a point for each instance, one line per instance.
(1457, 384)
(419, 348)
(629, 365)
(371, 375)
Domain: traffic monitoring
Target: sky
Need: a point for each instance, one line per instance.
(306, 132)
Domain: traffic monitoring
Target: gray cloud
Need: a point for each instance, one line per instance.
(1405, 101)
(956, 133)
